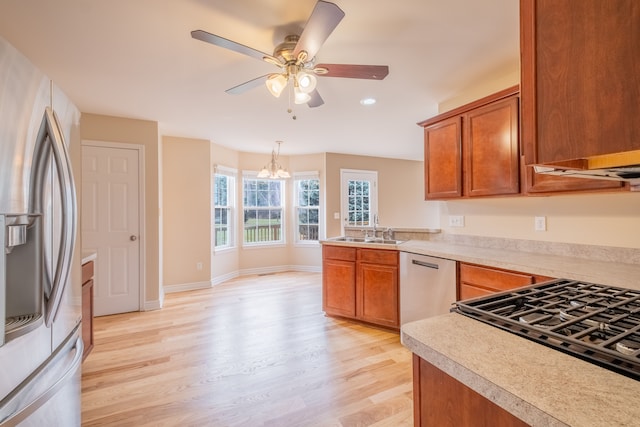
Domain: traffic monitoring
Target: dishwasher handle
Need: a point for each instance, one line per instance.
(425, 264)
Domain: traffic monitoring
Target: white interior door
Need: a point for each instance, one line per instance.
(111, 225)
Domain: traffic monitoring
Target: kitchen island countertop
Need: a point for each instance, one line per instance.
(540, 385)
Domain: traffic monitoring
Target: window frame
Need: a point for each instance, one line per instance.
(252, 175)
(297, 178)
(232, 175)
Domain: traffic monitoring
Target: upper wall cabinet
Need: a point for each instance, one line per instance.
(473, 150)
(580, 81)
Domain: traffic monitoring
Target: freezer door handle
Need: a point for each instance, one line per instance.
(21, 413)
(425, 264)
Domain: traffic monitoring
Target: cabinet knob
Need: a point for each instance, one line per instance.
(133, 238)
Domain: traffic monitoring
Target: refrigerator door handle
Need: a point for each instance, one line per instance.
(69, 215)
(21, 413)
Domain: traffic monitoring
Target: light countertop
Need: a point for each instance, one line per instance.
(88, 255)
(596, 270)
(540, 385)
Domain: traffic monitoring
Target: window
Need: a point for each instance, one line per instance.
(359, 197)
(263, 208)
(307, 206)
(223, 203)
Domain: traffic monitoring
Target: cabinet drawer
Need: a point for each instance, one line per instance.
(344, 253)
(378, 256)
(492, 278)
(87, 271)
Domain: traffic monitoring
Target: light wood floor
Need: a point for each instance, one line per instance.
(255, 351)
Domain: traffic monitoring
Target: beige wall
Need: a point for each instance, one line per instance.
(143, 132)
(400, 191)
(595, 219)
(186, 208)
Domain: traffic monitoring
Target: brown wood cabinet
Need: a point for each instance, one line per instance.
(361, 283)
(440, 400)
(377, 287)
(87, 307)
(476, 280)
(579, 95)
(474, 150)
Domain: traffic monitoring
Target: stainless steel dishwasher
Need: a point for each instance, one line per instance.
(427, 286)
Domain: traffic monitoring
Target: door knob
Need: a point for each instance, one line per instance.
(133, 238)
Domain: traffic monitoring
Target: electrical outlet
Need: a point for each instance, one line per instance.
(540, 223)
(456, 221)
(198, 266)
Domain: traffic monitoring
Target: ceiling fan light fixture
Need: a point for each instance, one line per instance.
(301, 97)
(276, 84)
(306, 81)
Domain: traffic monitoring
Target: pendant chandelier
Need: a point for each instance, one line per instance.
(273, 170)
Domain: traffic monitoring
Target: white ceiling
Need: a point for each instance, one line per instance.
(136, 58)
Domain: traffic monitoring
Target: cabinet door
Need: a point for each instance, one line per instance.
(443, 159)
(491, 154)
(441, 400)
(339, 287)
(377, 290)
(576, 85)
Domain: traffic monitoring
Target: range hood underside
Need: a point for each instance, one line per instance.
(618, 167)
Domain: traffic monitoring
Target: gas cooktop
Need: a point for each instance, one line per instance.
(597, 323)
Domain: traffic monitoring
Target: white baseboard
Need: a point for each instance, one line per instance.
(152, 305)
(223, 278)
(186, 287)
(245, 272)
(280, 269)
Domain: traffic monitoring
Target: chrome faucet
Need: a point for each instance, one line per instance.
(375, 224)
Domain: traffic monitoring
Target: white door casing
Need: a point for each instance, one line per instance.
(112, 223)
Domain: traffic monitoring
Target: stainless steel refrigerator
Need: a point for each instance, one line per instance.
(40, 303)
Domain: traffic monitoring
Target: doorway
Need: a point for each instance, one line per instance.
(358, 198)
(112, 223)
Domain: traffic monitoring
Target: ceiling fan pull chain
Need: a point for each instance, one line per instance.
(290, 109)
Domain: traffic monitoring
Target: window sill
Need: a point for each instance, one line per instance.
(222, 250)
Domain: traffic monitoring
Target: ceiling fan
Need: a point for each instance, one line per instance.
(295, 57)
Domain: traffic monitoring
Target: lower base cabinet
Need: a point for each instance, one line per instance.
(361, 284)
(440, 400)
(476, 280)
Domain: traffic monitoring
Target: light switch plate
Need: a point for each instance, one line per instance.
(540, 223)
(456, 221)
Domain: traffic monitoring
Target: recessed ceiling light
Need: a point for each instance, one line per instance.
(368, 101)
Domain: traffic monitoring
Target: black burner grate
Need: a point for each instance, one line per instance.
(597, 323)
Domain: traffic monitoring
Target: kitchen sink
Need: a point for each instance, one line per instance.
(365, 240)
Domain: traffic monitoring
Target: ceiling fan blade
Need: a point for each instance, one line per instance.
(316, 100)
(242, 88)
(323, 20)
(372, 72)
(230, 44)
